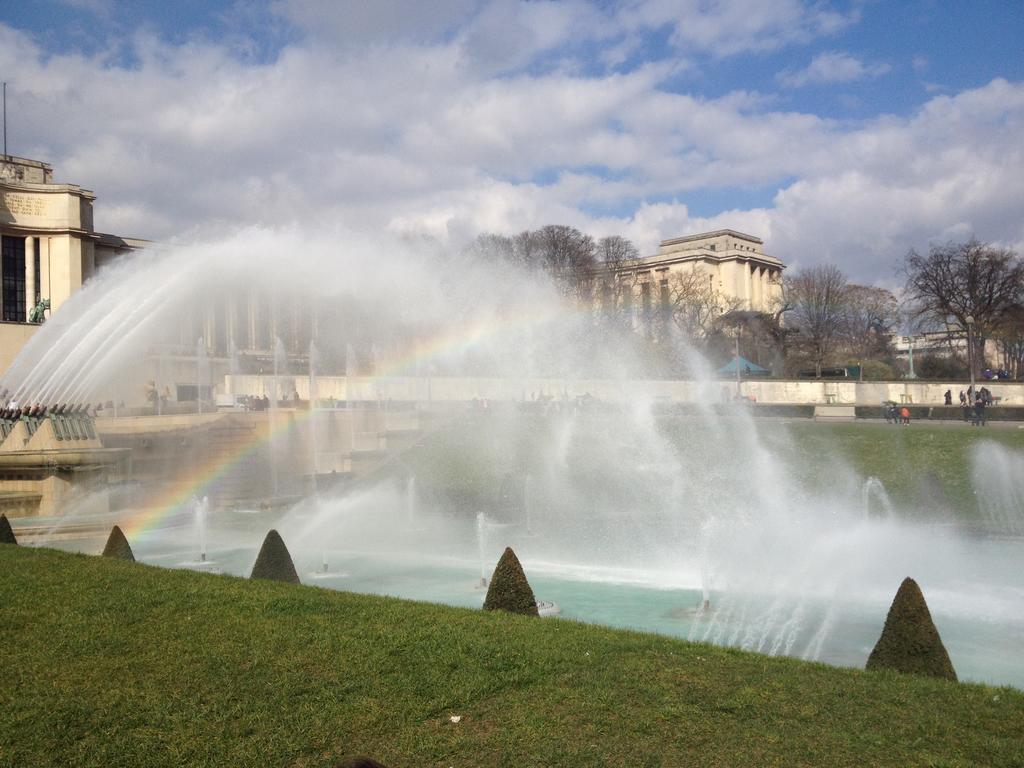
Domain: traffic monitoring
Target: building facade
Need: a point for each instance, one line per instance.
(735, 264)
(723, 270)
(49, 248)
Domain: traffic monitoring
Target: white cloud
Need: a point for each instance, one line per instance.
(832, 67)
(506, 35)
(729, 27)
(359, 23)
(407, 135)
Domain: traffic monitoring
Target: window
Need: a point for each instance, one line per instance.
(39, 281)
(12, 270)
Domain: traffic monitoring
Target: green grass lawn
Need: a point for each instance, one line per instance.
(109, 663)
(921, 465)
(926, 467)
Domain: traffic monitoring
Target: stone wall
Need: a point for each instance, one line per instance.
(464, 389)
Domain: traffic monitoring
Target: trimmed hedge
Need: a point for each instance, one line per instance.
(117, 546)
(274, 561)
(943, 412)
(992, 413)
(910, 642)
(509, 590)
(6, 534)
(780, 409)
(792, 411)
(917, 412)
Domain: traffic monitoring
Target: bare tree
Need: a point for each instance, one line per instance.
(569, 255)
(816, 295)
(490, 247)
(869, 315)
(957, 281)
(615, 251)
(526, 249)
(1009, 336)
(565, 249)
(693, 303)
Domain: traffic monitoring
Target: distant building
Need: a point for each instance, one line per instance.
(735, 265)
(940, 344)
(49, 247)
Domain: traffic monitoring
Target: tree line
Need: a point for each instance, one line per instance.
(959, 295)
(820, 319)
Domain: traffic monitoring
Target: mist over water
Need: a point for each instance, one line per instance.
(626, 512)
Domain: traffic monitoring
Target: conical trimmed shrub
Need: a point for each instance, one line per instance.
(509, 589)
(274, 562)
(117, 546)
(910, 642)
(360, 762)
(6, 534)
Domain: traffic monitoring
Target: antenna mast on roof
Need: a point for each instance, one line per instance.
(5, 120)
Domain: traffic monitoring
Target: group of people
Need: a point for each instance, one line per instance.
(894, 415)
(12, 411)
(255, 402)
(972, 404)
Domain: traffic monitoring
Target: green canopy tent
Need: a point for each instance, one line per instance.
(747, 369)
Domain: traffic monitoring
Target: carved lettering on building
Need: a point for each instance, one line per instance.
(22, 205)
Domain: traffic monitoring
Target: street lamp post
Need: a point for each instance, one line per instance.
(970, 351)
(737, 361)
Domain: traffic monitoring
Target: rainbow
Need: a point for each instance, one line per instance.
(463, 338)
(194, 485)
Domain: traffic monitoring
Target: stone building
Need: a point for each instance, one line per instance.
(49, 248)
(735, 263)
(739, 274)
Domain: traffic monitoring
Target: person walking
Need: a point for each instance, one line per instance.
(949, 397)
(905, 415)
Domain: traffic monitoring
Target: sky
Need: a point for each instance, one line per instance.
(841, 132)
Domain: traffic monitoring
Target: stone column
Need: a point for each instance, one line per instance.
(231, 318)
(254, 338)
(30, 275)
(44, 267)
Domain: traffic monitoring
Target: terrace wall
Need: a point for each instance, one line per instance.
(769, 391)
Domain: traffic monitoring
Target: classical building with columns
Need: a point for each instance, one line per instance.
(49, 248)
(735, 263)
(725, 268)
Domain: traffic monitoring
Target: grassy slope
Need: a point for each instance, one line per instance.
(910, 461)
(920, 465)
(118, 664)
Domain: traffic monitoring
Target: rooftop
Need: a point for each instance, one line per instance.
(21, 169)
(708, 235)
